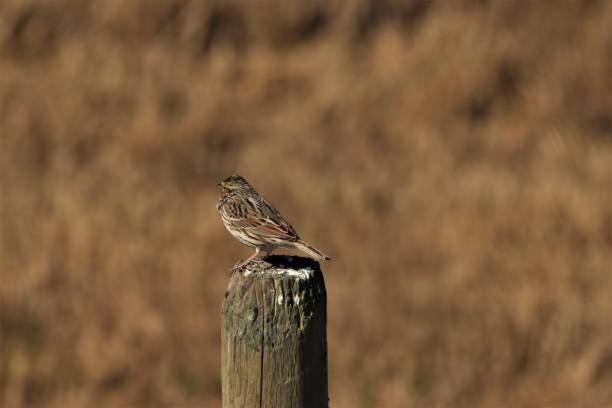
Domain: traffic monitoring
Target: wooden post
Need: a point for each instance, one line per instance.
(274, 337)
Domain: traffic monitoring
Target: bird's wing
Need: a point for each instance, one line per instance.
(256, 216)
(270, 222)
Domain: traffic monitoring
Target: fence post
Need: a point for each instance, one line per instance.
(274, 337)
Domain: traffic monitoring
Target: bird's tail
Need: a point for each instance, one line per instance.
(307, 249)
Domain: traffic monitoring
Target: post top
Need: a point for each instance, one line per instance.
(283, 266)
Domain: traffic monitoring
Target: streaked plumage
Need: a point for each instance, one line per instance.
(255, 222)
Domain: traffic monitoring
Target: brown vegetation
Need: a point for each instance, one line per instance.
(454, 159)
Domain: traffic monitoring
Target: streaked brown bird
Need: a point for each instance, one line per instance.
(255, 222)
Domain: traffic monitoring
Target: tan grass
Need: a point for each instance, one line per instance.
(454, 159)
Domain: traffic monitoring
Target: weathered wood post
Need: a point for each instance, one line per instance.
(274, 337)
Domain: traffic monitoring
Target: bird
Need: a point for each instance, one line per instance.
(253, 221)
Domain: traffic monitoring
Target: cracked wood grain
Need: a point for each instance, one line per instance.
(273, 334)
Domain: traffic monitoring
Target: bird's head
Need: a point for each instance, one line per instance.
(234, 183)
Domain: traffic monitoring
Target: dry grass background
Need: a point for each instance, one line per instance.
(454, 158)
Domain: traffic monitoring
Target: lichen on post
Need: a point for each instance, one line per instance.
(273, 334)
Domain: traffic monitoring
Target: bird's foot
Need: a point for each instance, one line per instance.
(254, 264)
(238, 266)
(259, 264)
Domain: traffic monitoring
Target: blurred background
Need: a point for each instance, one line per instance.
(454, 159)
